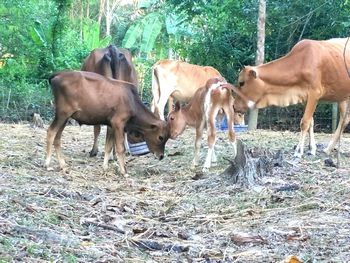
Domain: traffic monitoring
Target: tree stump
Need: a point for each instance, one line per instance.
(250, 165)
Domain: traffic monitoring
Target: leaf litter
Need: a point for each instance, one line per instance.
(168, 211)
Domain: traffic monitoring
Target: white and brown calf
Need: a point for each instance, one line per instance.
(202, 109)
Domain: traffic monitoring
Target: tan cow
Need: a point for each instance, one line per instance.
(92, 99)
(311, 71)
(202, 109)
(179, 80)
(110, 62)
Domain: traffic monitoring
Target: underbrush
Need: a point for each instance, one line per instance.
(20, 99)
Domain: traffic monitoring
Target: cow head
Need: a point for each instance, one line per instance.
(250, 85)
(156, 137)
(176, 121)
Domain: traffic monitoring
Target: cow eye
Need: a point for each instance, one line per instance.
(161, 138)
(241, 83)
(172, 118)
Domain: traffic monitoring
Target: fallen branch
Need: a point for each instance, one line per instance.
(154, 245)
(102, 225)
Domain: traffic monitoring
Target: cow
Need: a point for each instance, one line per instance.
(110, 62)
(92, 99)
(310, 72)
(202, 110)
(179, 80)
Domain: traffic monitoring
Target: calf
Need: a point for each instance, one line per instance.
(110, 62)
(202, 109)
(92, 99)
(179, 80)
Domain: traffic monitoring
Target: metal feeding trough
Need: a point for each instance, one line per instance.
(222, 125)
(138, 148)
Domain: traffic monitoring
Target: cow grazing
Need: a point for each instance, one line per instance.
(202, 109)
(110, 62)
(311, 71)
(179, 80)
(92, 99)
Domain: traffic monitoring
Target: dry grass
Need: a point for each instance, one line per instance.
(166, 211)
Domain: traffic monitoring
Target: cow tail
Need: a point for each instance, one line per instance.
(155, 89)
(113, 52)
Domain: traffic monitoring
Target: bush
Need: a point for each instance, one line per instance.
(19, 100)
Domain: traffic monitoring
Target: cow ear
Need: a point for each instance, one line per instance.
(177, 106)
(252, 73)
(121, 56)
(107, 57)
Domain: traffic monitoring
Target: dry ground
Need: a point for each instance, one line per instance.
(168, 211)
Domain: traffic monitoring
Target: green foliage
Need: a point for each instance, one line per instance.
(39, 37)
(144, 33)
(91, 36)
(155, 31)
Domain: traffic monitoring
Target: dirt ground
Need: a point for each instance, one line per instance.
(167, 211)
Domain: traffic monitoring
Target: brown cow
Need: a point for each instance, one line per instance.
(202, 109)
(179, 80)
(110, 62)
(92, 99)
(311, 71)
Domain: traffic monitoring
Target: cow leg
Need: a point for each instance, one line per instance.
(54, 137)
(340, 128)
(211, 115)
(198, 142)
(118, 134)
(305, 125)
(312, 141)
(230, 124)
(108, 148)
(94, 150)
(161, 103)
(126, 143)
(57, 144)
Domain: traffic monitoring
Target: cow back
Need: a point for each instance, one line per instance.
(111, 62)
(182, 77)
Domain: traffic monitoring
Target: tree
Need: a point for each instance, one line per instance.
(157, 30)
(260, 54)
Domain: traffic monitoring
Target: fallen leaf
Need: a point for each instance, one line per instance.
(291, 259)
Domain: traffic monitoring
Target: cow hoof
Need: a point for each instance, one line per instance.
(326, 151)
(50, 169)
(93, 153)
(205, 169)
(297, 155)
(311, 153)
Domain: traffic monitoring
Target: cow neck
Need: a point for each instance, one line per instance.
(279, 87)
(143, 119)
(192, 112)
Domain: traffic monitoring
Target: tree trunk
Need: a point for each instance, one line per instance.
(260, 54)
(101, 11)
(108, 19)
(81, 18)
